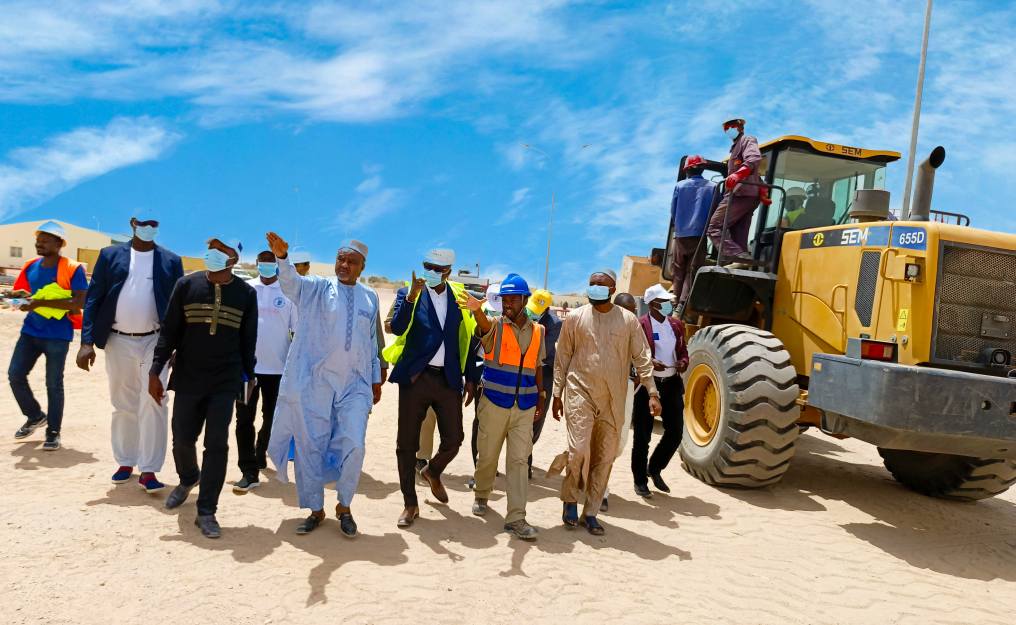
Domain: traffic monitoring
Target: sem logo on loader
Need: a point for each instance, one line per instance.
(874, 236)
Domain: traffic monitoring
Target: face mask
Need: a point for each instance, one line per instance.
(666, 309)
(216, 260)
(268, 270)
(732, 133)
(598, 293)
(146, 233)
(433, 278)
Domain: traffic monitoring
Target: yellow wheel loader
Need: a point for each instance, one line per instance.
(900, 333)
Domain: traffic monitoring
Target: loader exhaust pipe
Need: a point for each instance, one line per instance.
(920, 210)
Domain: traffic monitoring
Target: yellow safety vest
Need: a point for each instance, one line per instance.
(393, 353)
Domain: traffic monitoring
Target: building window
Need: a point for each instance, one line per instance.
(15, 252)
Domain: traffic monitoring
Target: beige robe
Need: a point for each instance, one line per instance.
(594, 353)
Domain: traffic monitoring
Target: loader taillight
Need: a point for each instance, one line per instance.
(877, 350)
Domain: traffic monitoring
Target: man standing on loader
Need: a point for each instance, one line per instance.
(742, 196)
(689, 211)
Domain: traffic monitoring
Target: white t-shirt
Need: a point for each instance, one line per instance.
(276, 322)
(440, 303)
(135, 308)
(666, 347)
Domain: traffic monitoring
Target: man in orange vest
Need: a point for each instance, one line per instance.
(512, 399)
(48, 329)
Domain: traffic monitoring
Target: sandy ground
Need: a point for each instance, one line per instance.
(836, 542)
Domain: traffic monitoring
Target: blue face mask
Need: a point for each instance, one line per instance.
(268, 270)
(146, 233)
(598, 293)
(216, 260)
(732, 133)
(433, 278)
(666, 309)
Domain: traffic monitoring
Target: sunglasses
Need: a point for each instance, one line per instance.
(148, 222)
(433, 267)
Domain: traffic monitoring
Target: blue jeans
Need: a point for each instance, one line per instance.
(26, 353)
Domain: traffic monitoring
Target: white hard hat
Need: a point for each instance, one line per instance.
(52, 227)
(440, 257)
(494, 296)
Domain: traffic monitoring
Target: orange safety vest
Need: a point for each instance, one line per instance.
(65, 269)
(509, 376)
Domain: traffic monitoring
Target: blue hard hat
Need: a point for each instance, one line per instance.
(514, 284)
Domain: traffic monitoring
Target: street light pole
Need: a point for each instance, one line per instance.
(905, 209)
(550, 226)
(550, 219)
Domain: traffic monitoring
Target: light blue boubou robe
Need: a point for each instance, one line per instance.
(325, 394)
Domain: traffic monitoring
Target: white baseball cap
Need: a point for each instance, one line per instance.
(656, 292)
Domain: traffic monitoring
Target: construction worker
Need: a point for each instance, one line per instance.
(512, 398)
(741, 197)
(689, 212)
(539, 311)
(57, 286)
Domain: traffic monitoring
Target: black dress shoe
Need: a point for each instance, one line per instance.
(659, 483)
(208, 525)
(642, 490)
(309, 524)
(178, 495)
(347, 524)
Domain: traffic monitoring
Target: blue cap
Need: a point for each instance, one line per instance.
(514, 284)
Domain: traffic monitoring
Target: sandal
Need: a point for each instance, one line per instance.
(570, 516)
(309, 524)
(593, 526)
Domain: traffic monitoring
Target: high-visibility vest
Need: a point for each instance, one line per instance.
(65, 269)
(508, 374)
(393, 353)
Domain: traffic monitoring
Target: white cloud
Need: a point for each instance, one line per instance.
(30, 176)
(371, 201)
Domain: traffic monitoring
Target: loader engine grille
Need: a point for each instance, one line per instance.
(976, 303)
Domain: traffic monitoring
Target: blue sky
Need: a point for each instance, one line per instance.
(401, 123)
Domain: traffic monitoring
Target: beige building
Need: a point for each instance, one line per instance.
(17, 242)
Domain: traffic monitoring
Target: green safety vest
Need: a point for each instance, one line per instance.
(393, 353)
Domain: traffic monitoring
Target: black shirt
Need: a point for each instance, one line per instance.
(213, 329)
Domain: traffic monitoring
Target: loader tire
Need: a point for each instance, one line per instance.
(740, 407)
(948, 476)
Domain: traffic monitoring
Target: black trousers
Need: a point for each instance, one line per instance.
(191, 413)
(429, 390)
(672, 398)
(251, 449)
(548, 387)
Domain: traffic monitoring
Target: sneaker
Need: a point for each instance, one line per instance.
(521, 529)
(659, 483)
(480, 507)
(246, 484)
(150, 483)
(52, 441)
(642, 490)
(123, 474)
(30, 426)
(208, 525)
(471, 483)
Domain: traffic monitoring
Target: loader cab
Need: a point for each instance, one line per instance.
(817, 181)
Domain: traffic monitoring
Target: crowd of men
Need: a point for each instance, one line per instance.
(312, 351)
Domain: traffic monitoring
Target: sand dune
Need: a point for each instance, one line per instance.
(836, 542)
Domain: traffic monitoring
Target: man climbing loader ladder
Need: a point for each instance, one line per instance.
(898, 333)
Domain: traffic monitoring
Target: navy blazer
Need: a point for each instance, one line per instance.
(108, 277)
(426, 336)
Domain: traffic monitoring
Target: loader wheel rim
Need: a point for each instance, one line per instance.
(702, 408)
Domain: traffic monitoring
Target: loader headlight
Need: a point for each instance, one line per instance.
(996, 357)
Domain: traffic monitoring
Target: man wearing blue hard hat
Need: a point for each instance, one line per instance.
(512, 399)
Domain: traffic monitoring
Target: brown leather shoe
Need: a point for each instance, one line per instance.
(436, 487)
(410, 514)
